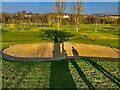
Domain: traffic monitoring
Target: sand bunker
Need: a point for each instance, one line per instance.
(45, 50)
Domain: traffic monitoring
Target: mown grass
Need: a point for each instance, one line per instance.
(79, 73)
(86, 34)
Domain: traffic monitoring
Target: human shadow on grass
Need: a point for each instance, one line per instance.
(60, 75)
(82, 75)
(103, 71)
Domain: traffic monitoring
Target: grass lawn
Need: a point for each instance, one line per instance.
(79, 73)
(86, 34)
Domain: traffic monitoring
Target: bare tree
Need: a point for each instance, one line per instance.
(76, 9)
(96, 21)
(49, 18)
(59, 7)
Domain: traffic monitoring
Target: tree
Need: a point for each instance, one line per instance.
(19, 17)
(49, 18)
(76, 9)
(59, 7)
(96, 20)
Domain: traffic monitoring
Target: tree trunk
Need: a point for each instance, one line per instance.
(77, 24)
(77, 29)
(58, 23)
(96, 26)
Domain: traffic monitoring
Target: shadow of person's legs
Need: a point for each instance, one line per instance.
(82, 75)
(104, 71)
(60, 75)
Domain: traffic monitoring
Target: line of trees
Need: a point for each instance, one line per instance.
(51, 19)
(29, 19)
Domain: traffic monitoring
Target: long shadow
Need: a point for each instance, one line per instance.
(56, 50)
(104, 71)
(113, 49)
(102, 43)
(82, 75)
(88, 38)
(60, 75)
(58, 37)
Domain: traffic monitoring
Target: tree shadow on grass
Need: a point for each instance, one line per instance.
(88, 38)
(82, 75)
(104, 43)
(103, 71)
(60, 75)
(109, 28)
(58, 37)
(114, 49)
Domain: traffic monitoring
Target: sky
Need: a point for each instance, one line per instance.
(60, 0)
(45, 7)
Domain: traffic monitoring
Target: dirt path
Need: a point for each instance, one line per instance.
(45, 50)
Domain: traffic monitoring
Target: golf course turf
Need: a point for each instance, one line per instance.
(69, 73)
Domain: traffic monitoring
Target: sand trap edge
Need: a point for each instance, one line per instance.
(27, 59)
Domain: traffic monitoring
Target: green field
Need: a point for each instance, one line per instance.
(106, 35)
(79, 73)
(61, 74)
